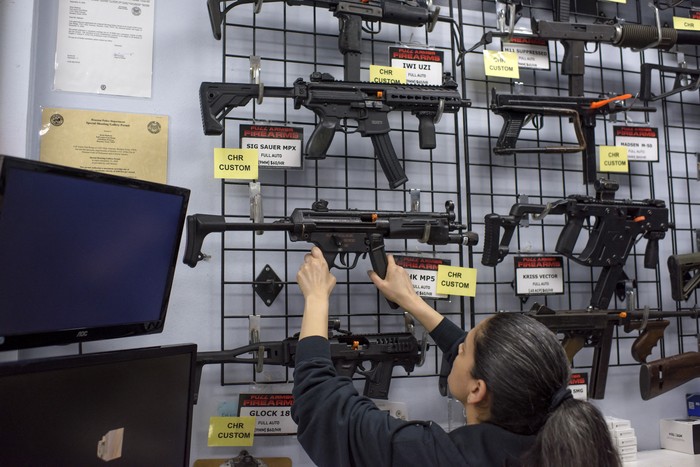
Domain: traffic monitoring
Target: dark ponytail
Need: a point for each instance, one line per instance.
(526, 372)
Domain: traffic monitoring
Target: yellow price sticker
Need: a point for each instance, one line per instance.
(502, 64)
(686, 24)
(613, 159)
(231, 431)
(455, 280)
(236, 163)
(387, 74)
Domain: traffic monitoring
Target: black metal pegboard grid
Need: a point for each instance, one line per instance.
(244, 255)
(681, 128)
(496, 183)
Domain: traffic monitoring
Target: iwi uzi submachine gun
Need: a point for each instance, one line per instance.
(518, 109)
(342, 235)
(335, 102)
(618, 225)
(351, 14)
(595, 328)
(373, 356)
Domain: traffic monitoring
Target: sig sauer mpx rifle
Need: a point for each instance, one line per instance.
(517, 110)
(342, 235)
(373, 356)
(595, 328)
(619, 224)
(335, 102)
(350, 14)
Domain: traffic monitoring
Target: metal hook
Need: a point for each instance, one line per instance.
(658, 29)
(255, 72)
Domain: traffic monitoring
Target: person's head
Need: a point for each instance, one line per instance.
(512, 371)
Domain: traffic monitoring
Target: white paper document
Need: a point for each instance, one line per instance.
(105, 47)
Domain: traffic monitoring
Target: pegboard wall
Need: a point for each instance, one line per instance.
(294, 41)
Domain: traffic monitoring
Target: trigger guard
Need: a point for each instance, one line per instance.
(343, 259)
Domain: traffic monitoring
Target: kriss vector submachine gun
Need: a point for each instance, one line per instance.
(351, 14)
(595, 328)
(373, 356)
(517, 110)
(342, 235)
(618, 225)
(335, 102)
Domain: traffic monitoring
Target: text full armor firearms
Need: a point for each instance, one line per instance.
(618, 226)
(341, 234)
(335, 102)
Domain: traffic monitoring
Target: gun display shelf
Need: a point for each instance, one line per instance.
(258, 272)
(497, 182)
(462, 167)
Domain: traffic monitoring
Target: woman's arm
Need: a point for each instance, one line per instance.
(398, 288)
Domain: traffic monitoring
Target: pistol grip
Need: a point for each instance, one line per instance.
(510, 132)
(493, 252)
(389, 162)
(568, 236)
(321, 138)
(651, 254)
(647, 340)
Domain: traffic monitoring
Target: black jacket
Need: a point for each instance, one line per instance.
(338, 427)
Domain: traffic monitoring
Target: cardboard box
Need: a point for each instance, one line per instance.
(681, 435)
(693, 404)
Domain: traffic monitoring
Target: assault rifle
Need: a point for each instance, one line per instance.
(342, 235)
(334, 102)
(664, 374)
(350, 14)
(595, 328)
(517, 110)
(684, 270)
(618, 226)
(349, 352)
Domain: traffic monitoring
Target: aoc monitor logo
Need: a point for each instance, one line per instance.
(83, 333)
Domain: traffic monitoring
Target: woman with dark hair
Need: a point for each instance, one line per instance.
(510, 373)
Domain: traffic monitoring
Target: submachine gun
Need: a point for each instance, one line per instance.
(350, 353)
(595, 328)
(618, 226)
(518, 109)
(342, 235)
(335, 102)
(350, 14)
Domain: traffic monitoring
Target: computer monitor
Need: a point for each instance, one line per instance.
(83, 255)
(119, 408)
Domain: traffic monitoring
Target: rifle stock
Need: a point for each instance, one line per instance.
(665, 374)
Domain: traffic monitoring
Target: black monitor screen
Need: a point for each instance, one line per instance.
(123, 408)
(83, 255)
